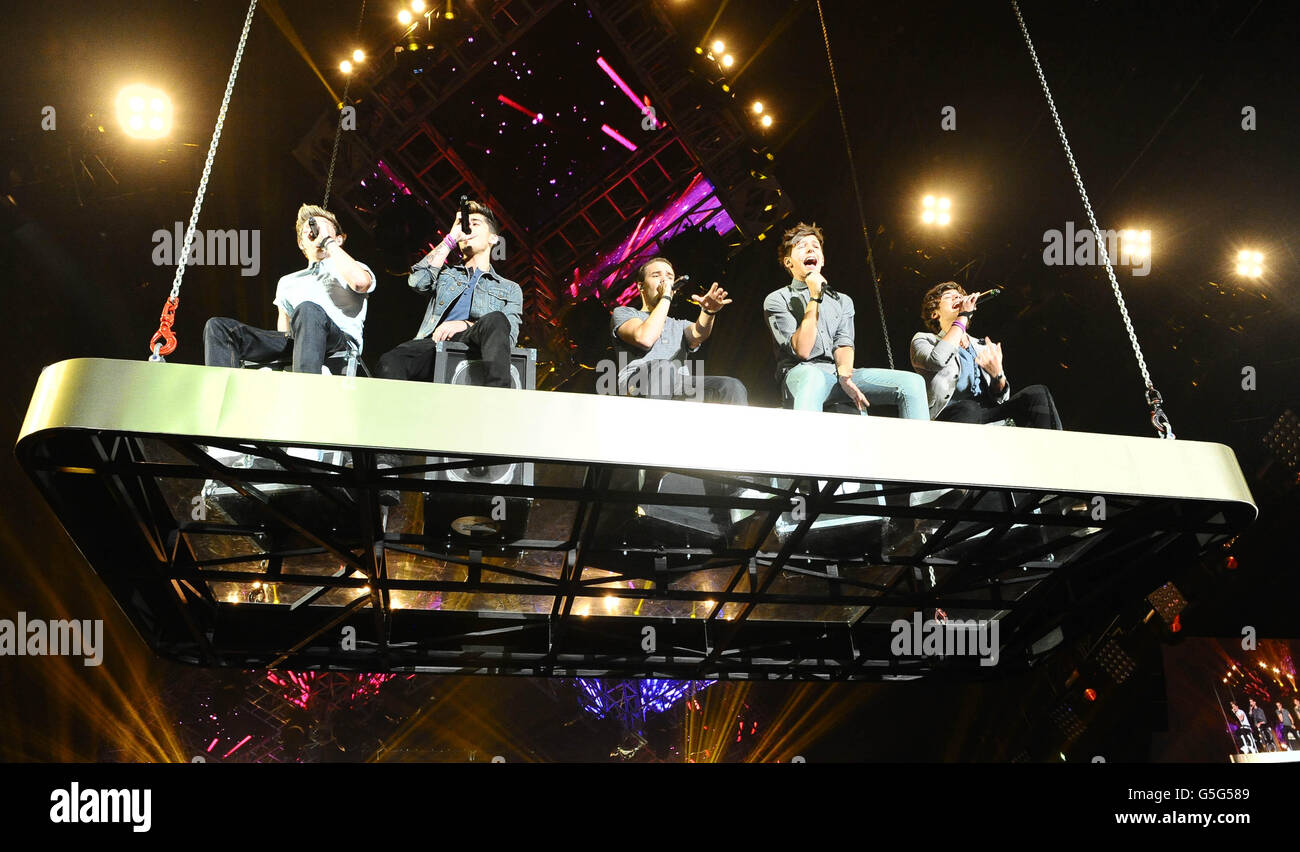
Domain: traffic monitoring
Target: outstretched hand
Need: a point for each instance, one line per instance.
(714, 300)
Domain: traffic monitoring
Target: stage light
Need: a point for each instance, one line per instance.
(1136, 244)
(358, 55)
(718, 46)
(1250, 263)
(345, 66)
(1090, 694)
(766, 121)
(728, 61)
(403, 17)
(699, 50)
(144, 112)
(934, 211)
(417, 6)
(758, 107)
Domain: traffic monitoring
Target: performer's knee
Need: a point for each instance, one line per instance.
(218, 328)
(308, 313)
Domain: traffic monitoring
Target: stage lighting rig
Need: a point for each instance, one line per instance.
(936, 211)
(1250, 263)
(144, 112)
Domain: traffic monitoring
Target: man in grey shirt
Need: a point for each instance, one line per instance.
(654, 349)
(812, 327)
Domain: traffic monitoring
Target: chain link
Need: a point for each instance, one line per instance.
(207, 165)
(338, 131)
(1158, 418)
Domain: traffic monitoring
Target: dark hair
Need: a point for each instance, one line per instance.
(639, 275)
(486, 212)
(930, 302)
(794, 235)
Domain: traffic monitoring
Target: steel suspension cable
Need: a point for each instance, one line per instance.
(857, 193)
(163, 341)
(1159, 420)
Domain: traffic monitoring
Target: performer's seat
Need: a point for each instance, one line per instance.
(343, 362)
(452, 367)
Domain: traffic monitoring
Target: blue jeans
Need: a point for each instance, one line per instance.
(810, 385)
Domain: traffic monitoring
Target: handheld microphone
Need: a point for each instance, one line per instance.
(313, 229)
(464, 213)
(989, 294)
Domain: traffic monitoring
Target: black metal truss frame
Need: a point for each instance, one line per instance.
(972, 559)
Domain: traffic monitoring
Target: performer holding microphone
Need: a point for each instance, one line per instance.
(469, 303)
(320, 307)
(812, 327)
(659, 346)
(964, 377)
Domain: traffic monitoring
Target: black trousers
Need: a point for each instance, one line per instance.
(1030, 406)
(227, 341)
(488, 339)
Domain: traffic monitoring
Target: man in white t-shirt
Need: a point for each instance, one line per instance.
(320, 307)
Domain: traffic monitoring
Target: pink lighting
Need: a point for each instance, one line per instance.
(696, 206)
(617, 137)
(643, 108)
(237, 745)
(533, 116)
(213, 744)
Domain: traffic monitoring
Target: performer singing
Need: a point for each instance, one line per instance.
(964, 378)
(654, 348)
(812, 327)
(320, 308)
(470, 303)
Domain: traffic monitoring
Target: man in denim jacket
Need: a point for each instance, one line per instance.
(470, 304)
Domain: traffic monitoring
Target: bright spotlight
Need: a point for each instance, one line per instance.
(144, 112)
(758, 107)
(718, 46)
(1250, 263)
(358, 55)
(1136, 244)
(417, 6)
(403, 17)
(766, 121)
(728, 61)
(345, 66)
(934, 211)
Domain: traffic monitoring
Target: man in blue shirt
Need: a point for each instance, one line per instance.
(812, 327)
(470, 303)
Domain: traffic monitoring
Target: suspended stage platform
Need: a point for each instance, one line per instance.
(557, 534)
